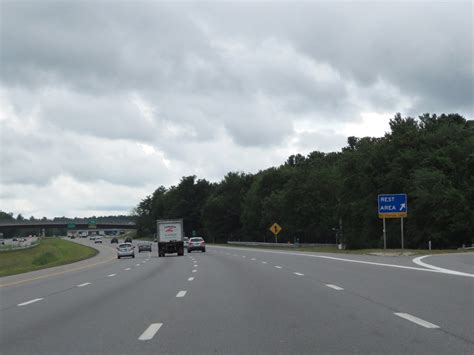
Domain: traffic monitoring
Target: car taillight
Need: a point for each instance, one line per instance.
(203, 243)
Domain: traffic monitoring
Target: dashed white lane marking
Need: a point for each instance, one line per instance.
(235, 255)
(253, 259)
(195, 270)
(29, 302)
(111, 275)
(137, 264)
(432, 267)
(127, 269)
(337, 288)
(191, 279)
(417, 320)
(243, 256)
(358, 261)
(264, 262)
(278, 267)
(84, 284)
(298, 273)
(150, 332)
(181, 294)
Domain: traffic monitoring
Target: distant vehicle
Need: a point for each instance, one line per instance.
(144, 247)
(186, 242)
(98, 240)
(114, 241)
(15, 239)
(197, 244)
(73, 237)
(128, 240)
(170, 237)
(125, 249)
(91, 237)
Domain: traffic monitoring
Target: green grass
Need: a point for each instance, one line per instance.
(50, 252)
(357, 251)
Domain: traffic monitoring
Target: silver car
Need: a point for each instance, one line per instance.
(125, 249)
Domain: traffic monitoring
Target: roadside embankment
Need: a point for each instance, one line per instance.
(50, 252)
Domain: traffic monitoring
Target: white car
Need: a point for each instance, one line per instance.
(98, 240)
(125, 249)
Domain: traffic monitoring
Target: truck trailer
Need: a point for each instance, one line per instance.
(170, 237)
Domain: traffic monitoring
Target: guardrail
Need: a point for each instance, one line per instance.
(284, 245)
(13, 247)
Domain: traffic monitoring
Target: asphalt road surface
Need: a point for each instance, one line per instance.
(244, 301)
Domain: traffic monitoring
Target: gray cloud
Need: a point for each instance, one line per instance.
(125, 97)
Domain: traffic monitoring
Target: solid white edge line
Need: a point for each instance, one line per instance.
(84, 284)
(440, 269)
(347, 260)
(29, 302)
(298, 273)
(417, 320)
(181, 294)
(111, 275)
(150, 332)
(190, 278)
(337, 288)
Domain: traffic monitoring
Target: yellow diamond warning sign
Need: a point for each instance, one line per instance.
(275, 228)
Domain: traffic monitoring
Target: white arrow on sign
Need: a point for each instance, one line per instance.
(403, 206)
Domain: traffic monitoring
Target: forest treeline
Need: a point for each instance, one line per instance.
(430, 158)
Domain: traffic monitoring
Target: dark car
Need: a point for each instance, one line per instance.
(128, 240)
(144, 247)
(196, 244)
(114, 241)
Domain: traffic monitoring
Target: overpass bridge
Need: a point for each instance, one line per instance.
(66, 224)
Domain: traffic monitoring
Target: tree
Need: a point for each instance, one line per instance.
(430, 158)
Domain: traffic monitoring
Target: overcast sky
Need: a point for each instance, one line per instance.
(102, 101)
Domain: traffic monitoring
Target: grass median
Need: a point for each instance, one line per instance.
(50, 252)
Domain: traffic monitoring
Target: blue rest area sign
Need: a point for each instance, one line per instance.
(392, 205)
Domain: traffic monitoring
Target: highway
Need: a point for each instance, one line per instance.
(233, 300)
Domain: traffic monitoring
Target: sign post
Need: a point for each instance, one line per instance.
(401, 226)
(392, 206)
(384, 235)
(275, 229)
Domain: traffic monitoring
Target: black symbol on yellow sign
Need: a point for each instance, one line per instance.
(275, 228)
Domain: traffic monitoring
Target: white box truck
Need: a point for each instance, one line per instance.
(170, 236)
